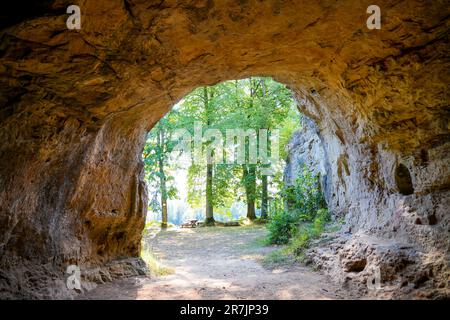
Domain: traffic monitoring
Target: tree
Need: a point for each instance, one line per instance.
(254, 103)
(156, 157)
(258, 103)
(209, 216)
(208, 180)
(162, 176)
(249, 181)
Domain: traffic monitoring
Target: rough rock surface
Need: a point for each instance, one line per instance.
(405, 269)
(306, 148)
(75, 107)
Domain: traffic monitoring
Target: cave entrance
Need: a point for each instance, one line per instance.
(75, 108)
(217, 149)
(221, 157)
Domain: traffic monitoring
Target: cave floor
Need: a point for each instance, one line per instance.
(220, 263)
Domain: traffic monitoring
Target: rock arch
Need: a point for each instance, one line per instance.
(75, 107)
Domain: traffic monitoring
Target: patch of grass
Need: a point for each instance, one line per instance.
(258, 242)
(260, 220)
(301, 239)
(154, 265)
(277, 258)
(261, 241)
(308, 232)
(241, 228)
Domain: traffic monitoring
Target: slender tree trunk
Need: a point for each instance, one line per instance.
(162, 178)
(264, 197)
(209, 214)
(264, 178)
(209, 205)
(250, 173)
(250, 190)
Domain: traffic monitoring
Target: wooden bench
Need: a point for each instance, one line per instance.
(189, 224)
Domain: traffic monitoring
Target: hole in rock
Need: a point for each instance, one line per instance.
(356, 265)
(403, 180)
(424, 156)
(432, 220)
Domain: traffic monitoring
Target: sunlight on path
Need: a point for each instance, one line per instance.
(218, 263)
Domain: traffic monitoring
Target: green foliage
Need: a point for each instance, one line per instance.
(287, 127)
(304, 198)
(225, 177)
(156, 156)
(306, 215)
(253, 103)
(282, 227)
(321, 219)
(309, 231)
(302, 237)
(196, 186)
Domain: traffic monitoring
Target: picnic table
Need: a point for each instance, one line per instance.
(189, 224)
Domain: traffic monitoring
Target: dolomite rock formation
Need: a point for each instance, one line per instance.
(362, 257)
(306, 148)
(75, 107)
(386, 243)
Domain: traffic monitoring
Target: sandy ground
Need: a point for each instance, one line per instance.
(218, 263)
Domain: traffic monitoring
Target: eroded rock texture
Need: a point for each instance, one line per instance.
(75, 107)
(305, 147)
(403, 269)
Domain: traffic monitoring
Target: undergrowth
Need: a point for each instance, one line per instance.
(300, 218)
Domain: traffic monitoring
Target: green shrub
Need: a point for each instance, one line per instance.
(321, 219)
(304, 198)
(309, 231)
(300, 241)
(306, 215)
(281, 227)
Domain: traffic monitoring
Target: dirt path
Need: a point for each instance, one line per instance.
(218, 263)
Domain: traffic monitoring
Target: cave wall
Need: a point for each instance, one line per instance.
(305, 147)
(75, 107)
(399, 224)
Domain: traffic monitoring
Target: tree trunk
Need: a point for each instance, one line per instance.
(209, 214)
(209, 194)
(264, 178)
(264, 197)
(162, 179)
(250, 190)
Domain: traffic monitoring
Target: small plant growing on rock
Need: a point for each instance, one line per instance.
(309, 231)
